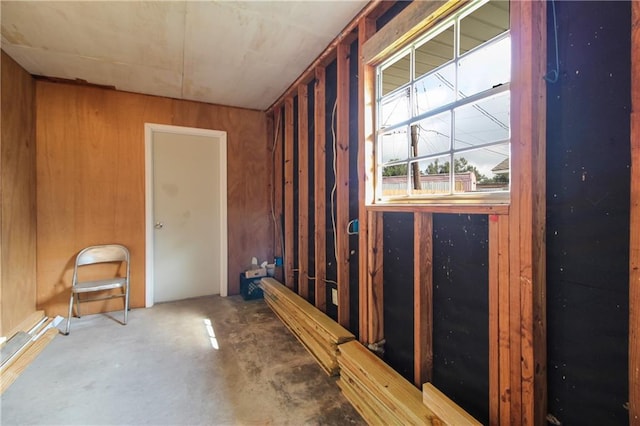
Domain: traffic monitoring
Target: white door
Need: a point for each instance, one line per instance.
(188, 220)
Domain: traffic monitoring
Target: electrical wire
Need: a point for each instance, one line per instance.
(273, 186)
(552, 76)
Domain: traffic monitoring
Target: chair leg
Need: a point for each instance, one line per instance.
(78, 305)
(126, 304)
(66, 332)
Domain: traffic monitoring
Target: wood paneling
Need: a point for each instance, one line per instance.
(90, 171)
(634, 251)
(18, 197)
(374, 277)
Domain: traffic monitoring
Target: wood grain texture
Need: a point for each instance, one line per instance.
(18, 195)
(366, 111)
(494, 358)
(278, 187)
(634, 250)
(405, 27)
(423, 298)
(374, 277)
(320, 187)
(342, 184)
(288, 193)
(90, 171)
(303, 191)
(527, 213)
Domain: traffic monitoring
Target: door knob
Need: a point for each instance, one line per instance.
(159, 225)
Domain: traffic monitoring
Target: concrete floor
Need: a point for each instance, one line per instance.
(163, 369)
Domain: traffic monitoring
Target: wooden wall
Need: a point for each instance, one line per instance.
(91, 174)
(18, 198)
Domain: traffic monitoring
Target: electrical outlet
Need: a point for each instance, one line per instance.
(334, 296)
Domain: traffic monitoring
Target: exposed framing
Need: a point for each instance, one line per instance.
(288, 193)
(320, 191)
(303, 191)
(342, 181)
(634, 243)
(517, 325)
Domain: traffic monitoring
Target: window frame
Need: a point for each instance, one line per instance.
(451, 18)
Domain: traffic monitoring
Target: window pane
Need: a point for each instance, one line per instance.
(394, 180)
(434, 53)
(395, 109)
(396, 75)
(394, 145)
(433, 135)
(435, 89)
(434, 176)
(483, 24)
(482, 122)
(487, 67)
(485, 169)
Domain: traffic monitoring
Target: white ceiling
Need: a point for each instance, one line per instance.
(237, 53)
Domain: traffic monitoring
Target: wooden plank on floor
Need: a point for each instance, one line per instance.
(342, 183)
(303, 191)
(423, 298)
(444, 408)
(288, 192)
(13, 371)
(320, 183)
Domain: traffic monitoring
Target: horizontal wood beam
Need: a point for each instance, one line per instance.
(307, 75)
(405, 27)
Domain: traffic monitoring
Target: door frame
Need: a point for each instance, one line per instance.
(149, 130)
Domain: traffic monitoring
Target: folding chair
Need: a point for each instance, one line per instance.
(109, 253)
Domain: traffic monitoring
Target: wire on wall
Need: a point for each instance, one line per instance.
(552, 76)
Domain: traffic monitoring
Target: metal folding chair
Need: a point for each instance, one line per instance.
(110, 253)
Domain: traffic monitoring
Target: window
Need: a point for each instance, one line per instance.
(444, 100)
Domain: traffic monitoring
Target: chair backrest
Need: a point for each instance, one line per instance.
(102, 254)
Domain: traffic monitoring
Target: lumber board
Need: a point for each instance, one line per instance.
(288, 192)
(303, 191)
(313, 346)
(367, 412)
(366, 94)
(389, 387)
(28, 323)
(342, 183)
(318, 333)
(320, 183)
(364, 397)
(423, 298)
(634, 214)
(335, 330)
(405, 27)
(300, 320)
(447, 411)
(13, 371)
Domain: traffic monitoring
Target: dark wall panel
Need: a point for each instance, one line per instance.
(460, 310)
(331, 75)
(398, 292)
(588, 160)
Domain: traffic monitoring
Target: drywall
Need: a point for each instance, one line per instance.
(90, 168)
(18, 199)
